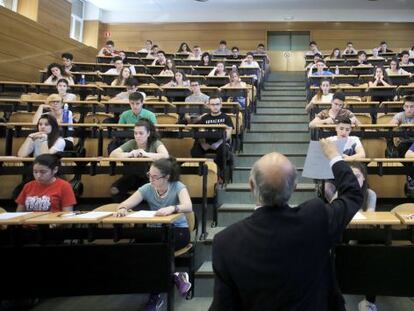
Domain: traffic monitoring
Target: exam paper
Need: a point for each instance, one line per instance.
(92, 215)
(359, 216)
(142, 214)
(6, 216)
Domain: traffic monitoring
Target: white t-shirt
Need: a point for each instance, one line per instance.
(324, 98)
(58, 146)
(352, 143)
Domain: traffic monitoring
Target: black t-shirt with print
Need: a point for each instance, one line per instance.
(222, 118)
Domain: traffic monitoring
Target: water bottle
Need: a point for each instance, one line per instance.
(337, 70)
(82, 80)
(65, 116)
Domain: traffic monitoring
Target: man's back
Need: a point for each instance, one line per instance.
(279, 257)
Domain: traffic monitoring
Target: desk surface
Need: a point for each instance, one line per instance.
(377, 218)
(406, 218)
(20, 219)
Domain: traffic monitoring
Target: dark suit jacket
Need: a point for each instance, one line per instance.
(279, 257)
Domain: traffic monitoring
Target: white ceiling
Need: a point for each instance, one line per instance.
(111, 11)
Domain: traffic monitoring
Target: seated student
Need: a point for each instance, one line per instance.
(320, 70)
(405, 58)
(67, 59)
(370, 197)
(404, 117)
(131, 87)
(380, 78)
(62, 87)
(411, 51)
(313, 49)
(219, 147)
(179, 80)
(235, 81)
(335, 113)
(235, 53)
(324, 95)
(260, 50)
(55, 72)
(169, 68)
(133, 115)
(153, 52)
(316, 58)
(335, 54)
(349, 50)
(218, 71)
(205, 59)
(410, 176)
(119, 65)
(147, 47)
(184, 49)
(122, 77)
(46, 193)
(196, 53)
(54, 107)
(160, 59)
(167, 195)
(249, 61)
(196, 97)
(108, 49)
(375, 54)
(362, 58)
(45, 140)
(146, 144)
(395, 68)
(383, 48)
(352, 149)
(222, 49)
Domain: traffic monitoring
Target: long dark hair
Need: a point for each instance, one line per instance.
(49, 160)
(61, 68)
(361, 167)
(202, 59)
(53, 136)
(180, 49)
(168, 166)
(150, 128)
(320, 92)
(384, 73)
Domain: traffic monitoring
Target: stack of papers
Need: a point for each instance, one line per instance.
(92, 215)
(6, 216)
(142, 214)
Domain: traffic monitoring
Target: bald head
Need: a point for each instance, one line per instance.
(272, 179)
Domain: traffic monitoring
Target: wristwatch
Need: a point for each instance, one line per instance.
(176, 209)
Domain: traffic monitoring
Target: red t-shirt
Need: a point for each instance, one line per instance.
(46, 198)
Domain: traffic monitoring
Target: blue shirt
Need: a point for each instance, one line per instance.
(155, 202)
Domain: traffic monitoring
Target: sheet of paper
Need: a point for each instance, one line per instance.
(142, 214)
(316, 164)
(6, 216)
(359, 216)
(92, 215)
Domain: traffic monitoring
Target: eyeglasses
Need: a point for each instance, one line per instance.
(215, 104)
(194, 84)
(154, 177)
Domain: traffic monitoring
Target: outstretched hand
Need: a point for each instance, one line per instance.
(329, 148)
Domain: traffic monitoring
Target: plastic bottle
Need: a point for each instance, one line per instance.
(65, 116)
(337, 70)
(82, 80)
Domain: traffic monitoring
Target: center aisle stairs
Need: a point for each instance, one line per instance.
(280, 124)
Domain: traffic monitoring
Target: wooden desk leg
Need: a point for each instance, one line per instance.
(388, 235)
(204, 204)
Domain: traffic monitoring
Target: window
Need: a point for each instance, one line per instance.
(76, 22)
(9, 4)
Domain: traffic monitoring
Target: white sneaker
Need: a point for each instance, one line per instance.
(365, 305)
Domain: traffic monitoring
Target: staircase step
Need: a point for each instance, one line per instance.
(195, 304)
(204, 286)
(275, 136)
(284, 97)
(270, 87)
(280, 104)
(280, 110)
(285, 92)
(284, 147)
(248, 159)
(286, 118)
(277, 126)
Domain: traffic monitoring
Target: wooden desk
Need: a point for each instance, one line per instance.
(377, 218)
(21, 219)
(61, 218)
(404, 219)
(149, 221)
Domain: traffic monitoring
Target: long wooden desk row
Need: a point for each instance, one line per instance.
(113, 166)
(112, 130)
(144, 264)
(398, 81)
(18, 88)
(369, 131)
(377, 268)
(360, 69)
(248, 75)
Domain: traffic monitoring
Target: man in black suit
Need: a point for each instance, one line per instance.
(279, 258)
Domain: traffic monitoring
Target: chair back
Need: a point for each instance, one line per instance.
(403, 208)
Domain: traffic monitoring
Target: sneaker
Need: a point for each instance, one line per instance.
(154, 303)
(365, 305)
(182, 282)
